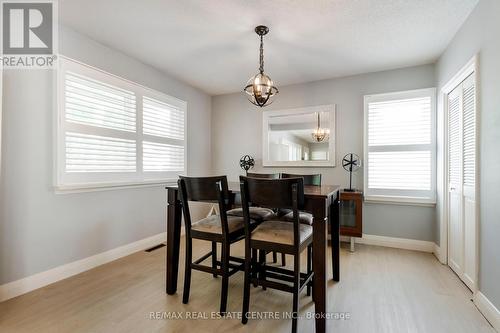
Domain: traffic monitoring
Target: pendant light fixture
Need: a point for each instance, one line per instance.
(320, 134)
(260, 88)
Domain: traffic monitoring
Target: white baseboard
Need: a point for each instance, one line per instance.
(394, 242)
(489, 311)
(42, 279)
(439, 254)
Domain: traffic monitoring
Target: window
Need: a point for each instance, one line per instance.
(113, 132)
(400, 146)
(294, 150)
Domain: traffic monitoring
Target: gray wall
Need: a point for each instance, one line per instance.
(480, 34)
(40, 230)
(234, 117)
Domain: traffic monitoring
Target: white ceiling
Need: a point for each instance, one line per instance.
(211, 44)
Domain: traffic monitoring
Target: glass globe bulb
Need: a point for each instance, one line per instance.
(260, 90)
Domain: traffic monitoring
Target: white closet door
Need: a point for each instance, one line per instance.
(455, 228)
(469, 180)
(462, 226)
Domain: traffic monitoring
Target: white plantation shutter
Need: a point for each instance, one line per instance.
(111, 131)
(163, 147)
(92, 153)
(400, 122)
(400, 146)
(94, 103)
(162, 119)
(163, 157)
(400, 170)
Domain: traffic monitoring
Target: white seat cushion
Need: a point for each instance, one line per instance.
(212, 224)
(280, 232)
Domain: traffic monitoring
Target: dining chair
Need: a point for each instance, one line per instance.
(259, 214)
(219, 228)
(314, 179)
(264, 175)
(276, 235)
(304, 217)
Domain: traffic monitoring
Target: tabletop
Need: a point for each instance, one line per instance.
(309, 190)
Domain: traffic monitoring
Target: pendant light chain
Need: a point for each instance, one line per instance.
(261, 60)
(260, 89)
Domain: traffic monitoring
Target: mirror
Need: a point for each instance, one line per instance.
(299, 137)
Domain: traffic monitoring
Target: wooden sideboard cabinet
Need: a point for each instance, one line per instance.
(351, 215)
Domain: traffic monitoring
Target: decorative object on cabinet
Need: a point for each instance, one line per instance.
(350, 163)
(247, 162)
(351, 215)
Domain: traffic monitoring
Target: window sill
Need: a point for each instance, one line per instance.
(404, 201)
(97, 187)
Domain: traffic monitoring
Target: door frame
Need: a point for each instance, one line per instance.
(1, 114)
(471, 67)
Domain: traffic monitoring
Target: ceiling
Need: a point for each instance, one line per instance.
(211, 45)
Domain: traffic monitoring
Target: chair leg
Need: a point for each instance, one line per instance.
(262, 263)
(275, 257)
(283, 259)
(214, 257)
(296, 286)
(309, 267)
(187, 272)
(246, 287)
(254, 266)
(225, 276)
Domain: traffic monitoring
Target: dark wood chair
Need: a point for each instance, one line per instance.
(259, 214)
(314, 179)
(216, 229)
(264, 175)
(276, 235)
(304, 217)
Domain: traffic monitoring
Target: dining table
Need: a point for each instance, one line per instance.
(321, 201)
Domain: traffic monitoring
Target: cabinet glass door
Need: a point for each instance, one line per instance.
(348, 213)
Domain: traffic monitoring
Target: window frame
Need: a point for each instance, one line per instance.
(406, 197)
(64, 182)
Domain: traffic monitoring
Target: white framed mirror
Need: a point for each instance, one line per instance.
(302, 137)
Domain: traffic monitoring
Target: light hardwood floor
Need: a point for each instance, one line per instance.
(382, 290)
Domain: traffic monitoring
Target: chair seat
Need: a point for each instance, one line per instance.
(304, 218)
(280, 232)
(258, 214)
(212, 224)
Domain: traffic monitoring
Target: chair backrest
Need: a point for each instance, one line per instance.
(204, 189)
(264, 175)
(272, 193)
(308, 179)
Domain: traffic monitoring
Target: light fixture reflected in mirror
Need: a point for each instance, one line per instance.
(260, 88)
(320, 134)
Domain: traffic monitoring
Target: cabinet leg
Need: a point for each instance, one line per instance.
(352, 244)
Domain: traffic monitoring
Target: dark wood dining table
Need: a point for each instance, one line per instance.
(322, 201)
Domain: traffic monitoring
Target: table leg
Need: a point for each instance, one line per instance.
(320, 232)
(334, 218)
(174, 215)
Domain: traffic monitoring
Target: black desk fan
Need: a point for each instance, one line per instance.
(350, 163)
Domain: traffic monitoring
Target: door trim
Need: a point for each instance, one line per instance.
(471, 67)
